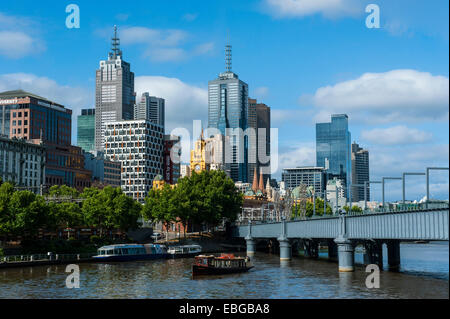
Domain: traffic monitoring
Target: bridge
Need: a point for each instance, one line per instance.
(344, 232)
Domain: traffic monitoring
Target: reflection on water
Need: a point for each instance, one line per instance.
(270, 278)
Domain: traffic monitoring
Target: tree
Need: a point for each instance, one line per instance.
(67, 214)
(63, 191)
(6, 217)
(355, 209)
(319, 208)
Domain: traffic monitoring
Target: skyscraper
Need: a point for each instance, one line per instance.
(259, 152)
(333, 149)
(227, 109)
(360, 172)
(86, 130)
(150, 108)
(114, 92)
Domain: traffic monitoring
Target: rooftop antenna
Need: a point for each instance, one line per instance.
(228, 55)
(115, 43)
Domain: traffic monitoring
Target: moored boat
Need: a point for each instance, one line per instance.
(220, 265)
(184, 251)
(131, 252)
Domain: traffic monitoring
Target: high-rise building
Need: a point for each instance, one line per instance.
(333, 149)
(259, 152)
(360, 172)
(44, 122)
(86, 130)
(138, 146)
(114, 92)
(150, 108)
(104, 172)
(172, 156)
(308, 175)
(228, 109)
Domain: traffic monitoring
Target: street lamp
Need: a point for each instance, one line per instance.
(382, 187)
(403, 184)
(428, 180)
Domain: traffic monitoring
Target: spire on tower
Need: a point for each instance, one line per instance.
(115, 45)
(228, 57)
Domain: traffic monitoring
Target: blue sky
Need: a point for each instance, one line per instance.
(306, 59)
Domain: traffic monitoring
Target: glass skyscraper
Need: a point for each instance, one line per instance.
(86, 130)
(333, 149)
(228, 109)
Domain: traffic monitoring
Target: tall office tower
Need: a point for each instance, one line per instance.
(114, 92)
(259, 152)
(333, 149)
(150, 108)
(138, 146)
(360, 172)
(227, 111)
(86, 130)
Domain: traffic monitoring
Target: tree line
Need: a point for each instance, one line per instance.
(204, 198)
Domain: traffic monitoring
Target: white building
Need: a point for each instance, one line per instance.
(331, 193)
(185, 170)
(22, 163)
(150, 108)
(138, 145)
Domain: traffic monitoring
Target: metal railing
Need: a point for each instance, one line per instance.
(45, 257)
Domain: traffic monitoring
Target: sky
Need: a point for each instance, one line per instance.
(306, 59)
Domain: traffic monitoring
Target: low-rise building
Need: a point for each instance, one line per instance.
(22, 163)
(104, 172)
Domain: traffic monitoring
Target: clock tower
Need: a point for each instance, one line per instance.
(198, 156)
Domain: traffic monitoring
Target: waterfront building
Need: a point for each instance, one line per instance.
(228, 111)
(331, 192)
(307, 175)
(333, 149)
(259, 152)
(49, 124)
(22, 163)
(114, 91)
(172, 152)
(104, 172)
(138, 146)
(150, 108)
(86, 130)
(360, 172)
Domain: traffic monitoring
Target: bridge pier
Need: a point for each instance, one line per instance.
(393, 248)
(251, 244)
(346, 254)
(311, 248)
(285, 249)
(374, 253)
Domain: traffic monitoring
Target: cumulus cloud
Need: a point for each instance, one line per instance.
(74, 98)
(302, 154)
(18, 37)
(396, 135)
(184, 102)
(302, 8)
(398, 95)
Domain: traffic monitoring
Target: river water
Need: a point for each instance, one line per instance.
(424, 274)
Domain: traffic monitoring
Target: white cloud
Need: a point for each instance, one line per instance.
(302, 8)
(261, 92)
(396, 135)
(203, 48)
(398, 95)
(184, 102)
(18, 37)
(190, 17)
(303, 154)
(74, 98)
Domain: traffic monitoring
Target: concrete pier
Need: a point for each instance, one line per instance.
(285, 249)
(251, 246)
(346, 254)
(393, 248)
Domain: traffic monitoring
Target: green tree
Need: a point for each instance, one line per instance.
(66, 214)
(63, 191)
(319, 208)
(6, 217)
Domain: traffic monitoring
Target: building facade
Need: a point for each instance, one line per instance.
(86, 130)
(308, 175)
(172, 156)
(259, 150)
(22, 163)
(138, 146)
(104, 172)
(360, 172)
(185, 170)
(114, 92)
(49, 124)
(150, 108)
(228, 109)
(333, 149)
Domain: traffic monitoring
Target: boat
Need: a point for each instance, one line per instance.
(131, 252)
(220, 265)
(184, 251)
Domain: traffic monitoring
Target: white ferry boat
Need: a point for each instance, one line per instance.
(184, 251)
(131, 252)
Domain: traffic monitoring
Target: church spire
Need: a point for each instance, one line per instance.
(255, 181)
(261, 182)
